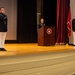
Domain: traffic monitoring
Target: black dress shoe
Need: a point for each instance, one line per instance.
(2, 49)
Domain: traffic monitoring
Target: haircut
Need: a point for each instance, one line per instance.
(1, 8)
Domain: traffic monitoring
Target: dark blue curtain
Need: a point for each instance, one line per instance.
(26, 21)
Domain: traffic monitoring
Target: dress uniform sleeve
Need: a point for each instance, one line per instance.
(73, 24)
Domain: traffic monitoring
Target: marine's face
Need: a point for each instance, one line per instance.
(42, 20)
(2, 10)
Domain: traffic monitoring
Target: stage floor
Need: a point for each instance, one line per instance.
(33, 48)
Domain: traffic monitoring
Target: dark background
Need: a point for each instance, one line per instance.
(27, 18)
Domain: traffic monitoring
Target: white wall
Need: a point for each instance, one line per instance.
(72, 5)
(11, 12)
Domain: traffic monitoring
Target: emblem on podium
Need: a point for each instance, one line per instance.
(49, 31)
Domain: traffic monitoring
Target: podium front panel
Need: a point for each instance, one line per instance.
(49, 36)
(46, 36)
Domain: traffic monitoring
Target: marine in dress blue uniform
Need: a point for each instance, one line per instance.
(41, 23)
(3, 28)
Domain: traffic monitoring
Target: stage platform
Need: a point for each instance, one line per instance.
(31, 59)
(33, 48)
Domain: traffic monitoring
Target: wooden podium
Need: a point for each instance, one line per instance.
(46, 36)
